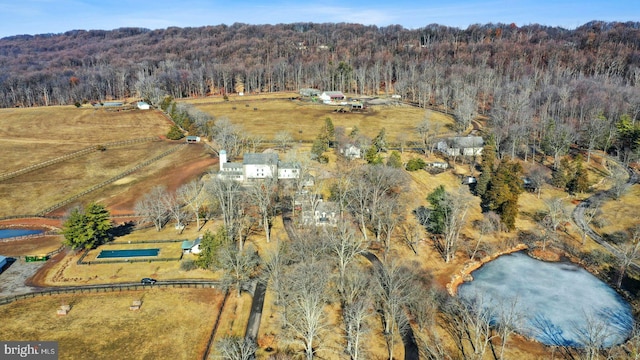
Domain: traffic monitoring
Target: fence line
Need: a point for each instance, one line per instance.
(109, 181)
(110, 287)
(72, 155)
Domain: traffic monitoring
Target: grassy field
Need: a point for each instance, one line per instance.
(171, 323)
(32, 135)
(303, 119)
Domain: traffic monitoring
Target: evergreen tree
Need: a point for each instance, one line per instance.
(439, 210)
(372, 156)
(318, 148)
(380, 141)
(503, 191)
(488, 161)
(579, 182)
(86, 229)
(210, 244)
(354, 132)
(415, 164)
(175, 133)
(394, 160)
(562, 174)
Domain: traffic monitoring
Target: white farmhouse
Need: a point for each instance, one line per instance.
(257, 166)
(461, 145)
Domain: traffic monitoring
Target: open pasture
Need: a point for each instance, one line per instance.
(32, 135)
(170, 324)
(303, 119)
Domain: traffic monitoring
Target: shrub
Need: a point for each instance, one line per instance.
(415, 164)
(188, 265)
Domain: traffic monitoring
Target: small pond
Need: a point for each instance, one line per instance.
(9, 233)
(558, 303)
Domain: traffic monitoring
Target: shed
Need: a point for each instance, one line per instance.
(193, 139)
(143, 105)
(191, 247)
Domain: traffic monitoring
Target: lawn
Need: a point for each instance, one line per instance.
(171, 323)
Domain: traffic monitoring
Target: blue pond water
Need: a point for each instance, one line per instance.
(9, 233)
(127, 253)
(558, 303)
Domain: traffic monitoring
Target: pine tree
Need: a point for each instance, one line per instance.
(86, 229)
(209, 246)
(579, 182)
(488, 160)
(503, 191)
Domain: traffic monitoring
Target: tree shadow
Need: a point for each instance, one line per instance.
(122, 229)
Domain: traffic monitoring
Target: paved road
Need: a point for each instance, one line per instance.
(578, 215)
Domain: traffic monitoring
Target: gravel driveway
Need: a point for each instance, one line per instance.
(12, 279)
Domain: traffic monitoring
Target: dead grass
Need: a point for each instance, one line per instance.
(31, 246)
(305, 119)
(621, 214)
(33, 135)
(34, 191)
(171, 323)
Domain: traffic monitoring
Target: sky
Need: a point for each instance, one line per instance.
(18, 17)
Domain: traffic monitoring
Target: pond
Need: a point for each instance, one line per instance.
(557, 303)
(9, 233)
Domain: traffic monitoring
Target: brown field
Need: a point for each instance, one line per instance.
(44, 133)
(304, 119)
(171, 323)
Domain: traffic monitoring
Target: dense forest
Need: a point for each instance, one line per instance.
(565, 79)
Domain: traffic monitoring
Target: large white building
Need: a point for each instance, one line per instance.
(257, 166)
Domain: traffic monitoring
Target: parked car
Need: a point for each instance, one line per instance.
(148, 281)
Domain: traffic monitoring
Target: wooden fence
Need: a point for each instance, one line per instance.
(109, 181)
(72, 155)
(87, 289)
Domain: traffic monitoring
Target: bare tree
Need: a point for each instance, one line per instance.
(356, 315)
(448, 219)
(254, 142)
(557, 214)
(306, 320)
(508, 320)
(192, 195)
(283, 139)
(151, 208)
(238, 266)
(394, 288)
(629, 252)
(263, 196)
(235, 348)
(227, 136)
(174, 208)
(228, 196)
(345, 246)
(489, 224)
(390, 216)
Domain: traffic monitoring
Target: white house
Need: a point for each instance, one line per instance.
(143, 105)
(351, 151)
(461, 145)
(257, 166)
(330, 96)
(260, 166)
(325, 214)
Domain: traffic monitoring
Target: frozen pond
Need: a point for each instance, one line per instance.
(557, 303)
